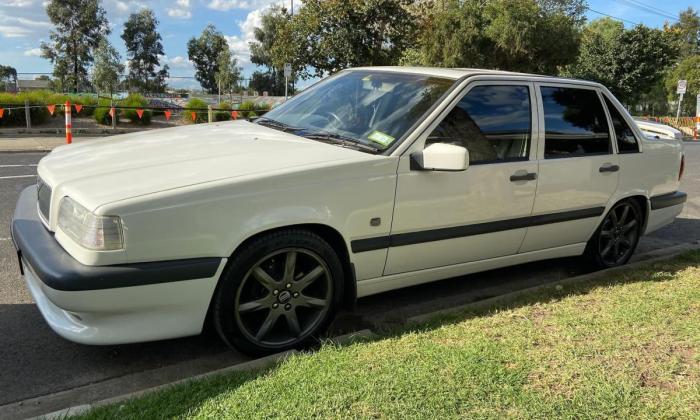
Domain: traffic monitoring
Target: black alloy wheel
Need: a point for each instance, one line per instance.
(279, 293)
(616, 239)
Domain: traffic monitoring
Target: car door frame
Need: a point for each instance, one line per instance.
(418, 141)
(528, 244)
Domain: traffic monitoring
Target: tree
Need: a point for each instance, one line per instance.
(8, 77)
(80, 25)
(204, 53)
(278, 41)
(270, 81)
(229, 73)
(331, 35)
(688, 69)
(530, 36)
(629, 62)
(143, 46)
(107, 69)
(687, 32)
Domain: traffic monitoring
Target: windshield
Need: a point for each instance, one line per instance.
(368, 108)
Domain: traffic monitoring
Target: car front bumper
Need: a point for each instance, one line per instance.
(110, 304)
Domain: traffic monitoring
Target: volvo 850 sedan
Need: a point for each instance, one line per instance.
(370, 180)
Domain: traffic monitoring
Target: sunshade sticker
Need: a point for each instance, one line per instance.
(381, 138)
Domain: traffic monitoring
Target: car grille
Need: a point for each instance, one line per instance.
(44, 198)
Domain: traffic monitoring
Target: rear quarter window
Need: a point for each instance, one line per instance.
(624, 135)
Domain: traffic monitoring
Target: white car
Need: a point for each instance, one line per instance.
(371, 180)
(657, 130)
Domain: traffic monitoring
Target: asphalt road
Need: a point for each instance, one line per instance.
(34, 361)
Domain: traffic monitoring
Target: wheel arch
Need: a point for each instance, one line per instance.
(334, 238)
(644, 204)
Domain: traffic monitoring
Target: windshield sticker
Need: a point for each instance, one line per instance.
(381, 138)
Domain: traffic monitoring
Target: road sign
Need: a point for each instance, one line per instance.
(682, 85)
(288, 70)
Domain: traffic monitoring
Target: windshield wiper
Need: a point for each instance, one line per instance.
(340, 140)
(269, 122)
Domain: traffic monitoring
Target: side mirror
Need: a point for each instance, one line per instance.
(441, 157)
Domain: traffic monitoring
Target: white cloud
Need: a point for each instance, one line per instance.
(238, 44)
(17, 3)
(182, 10)
(238, 4)
(121, 6)
(178, 62)
(33, 52)
(12, 31)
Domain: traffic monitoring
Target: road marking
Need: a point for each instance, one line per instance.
(17, 176)
(5, 239)
(18, 166)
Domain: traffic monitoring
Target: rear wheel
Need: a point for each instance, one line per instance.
(278, 293)
(616, 239)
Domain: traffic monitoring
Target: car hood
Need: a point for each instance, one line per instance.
(101, 171)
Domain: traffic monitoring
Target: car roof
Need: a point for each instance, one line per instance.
(457, 73)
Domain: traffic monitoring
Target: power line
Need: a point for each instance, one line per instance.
(611, 16)
(646, 8)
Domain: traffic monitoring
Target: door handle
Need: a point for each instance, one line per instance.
(525, 176)
(609, 168)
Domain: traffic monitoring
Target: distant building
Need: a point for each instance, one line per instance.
(36, 84)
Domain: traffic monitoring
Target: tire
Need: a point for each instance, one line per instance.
(279, 292)
(615, 240)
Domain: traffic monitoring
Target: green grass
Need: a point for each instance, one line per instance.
(623, 346)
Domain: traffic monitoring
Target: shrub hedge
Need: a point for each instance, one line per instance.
(39, 113)
(201, 115)
(133, 100)
(223, 115)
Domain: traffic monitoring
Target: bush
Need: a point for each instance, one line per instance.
(195, 105)
(137, 101)
(246, 110)
(39, 113)
(101, 113)
(223, 115)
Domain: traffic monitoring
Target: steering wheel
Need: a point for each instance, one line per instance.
(333, 117)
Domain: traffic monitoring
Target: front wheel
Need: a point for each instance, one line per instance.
(616, 239)
(278, 293)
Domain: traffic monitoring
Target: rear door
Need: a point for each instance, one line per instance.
(578, 166)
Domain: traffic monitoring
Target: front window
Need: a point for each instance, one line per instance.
(367, 109)
(492, 122)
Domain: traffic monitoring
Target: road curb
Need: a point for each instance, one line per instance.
(651, 257)
(256, 364)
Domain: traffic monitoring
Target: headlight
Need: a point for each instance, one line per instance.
(102, 233)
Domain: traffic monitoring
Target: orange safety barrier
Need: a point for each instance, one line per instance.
(69, 125)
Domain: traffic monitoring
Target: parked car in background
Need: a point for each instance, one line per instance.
(371, 180)
(658, 130)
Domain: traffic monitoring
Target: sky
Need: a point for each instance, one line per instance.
(24, 24)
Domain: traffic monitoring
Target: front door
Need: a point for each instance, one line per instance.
(578, 166)
(447, 218)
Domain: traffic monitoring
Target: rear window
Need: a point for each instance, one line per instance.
(574, 123)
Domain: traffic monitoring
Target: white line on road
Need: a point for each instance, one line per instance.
(5, 239)
(17, 176)
(18, 166)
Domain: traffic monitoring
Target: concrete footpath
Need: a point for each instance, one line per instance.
(35, 144)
